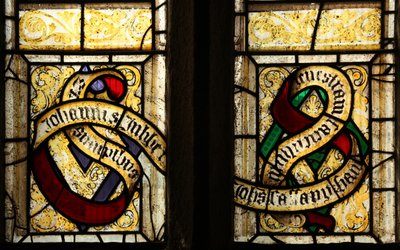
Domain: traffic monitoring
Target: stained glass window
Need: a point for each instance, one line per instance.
(85, 114)
(314, 127)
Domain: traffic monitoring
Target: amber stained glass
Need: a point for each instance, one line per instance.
(314, 122)
(85, 126)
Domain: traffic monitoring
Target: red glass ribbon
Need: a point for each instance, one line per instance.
(68, 203)
(294, 121)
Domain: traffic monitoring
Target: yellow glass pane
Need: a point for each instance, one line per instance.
(349, 29)
(50, 28)
(338, 29)
(121, 27)
(51, 51)
(281, 30)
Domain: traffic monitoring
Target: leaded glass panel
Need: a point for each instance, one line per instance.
(314, 127)
(85, 150)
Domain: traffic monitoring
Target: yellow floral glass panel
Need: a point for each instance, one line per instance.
(341, 29)
(59, 27)
(123, 27)
(50, 28)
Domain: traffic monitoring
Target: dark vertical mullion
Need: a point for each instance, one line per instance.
(221, 68)
(201, 96)
(180, 107)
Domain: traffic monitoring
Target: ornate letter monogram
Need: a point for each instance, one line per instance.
(91, 131)
(313, 155)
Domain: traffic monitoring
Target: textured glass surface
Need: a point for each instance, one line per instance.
(10, 34)
(85, 128)
(342, 29)
(58, 27)
(97, 26)
(118, 26)
(314, 132)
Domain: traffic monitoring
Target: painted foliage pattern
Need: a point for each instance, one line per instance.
(314, 148)
(85, 133)
(293, 30)
(60, 28)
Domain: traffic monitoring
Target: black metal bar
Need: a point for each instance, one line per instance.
(30, 147)
(80, 1)
(315, 31)
(86, 52)
(316, 52)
